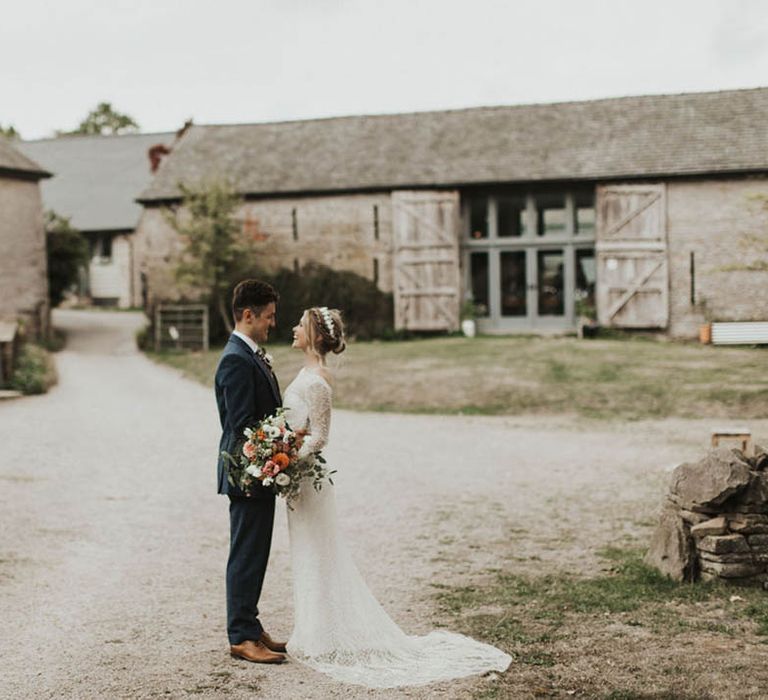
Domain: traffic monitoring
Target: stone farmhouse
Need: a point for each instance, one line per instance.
(23, 267)
(96, 182)
(651, 209)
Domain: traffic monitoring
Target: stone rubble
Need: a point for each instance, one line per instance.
(714, 521)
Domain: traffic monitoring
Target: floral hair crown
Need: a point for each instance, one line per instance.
(325, 314)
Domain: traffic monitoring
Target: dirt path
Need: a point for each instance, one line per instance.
(113, 541)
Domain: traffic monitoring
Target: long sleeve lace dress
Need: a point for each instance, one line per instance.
(340, 628)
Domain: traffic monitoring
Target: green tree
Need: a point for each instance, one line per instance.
(215, 250)
(68, 252)
(9, 132)
(104, 119)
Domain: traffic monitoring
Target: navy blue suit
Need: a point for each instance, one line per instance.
(246, 392)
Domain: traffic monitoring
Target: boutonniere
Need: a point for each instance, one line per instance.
(266, 357)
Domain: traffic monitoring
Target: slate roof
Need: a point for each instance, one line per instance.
(96, 178)
(13, 162)
(628, 137)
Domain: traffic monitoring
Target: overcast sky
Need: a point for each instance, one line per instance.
(220, 61)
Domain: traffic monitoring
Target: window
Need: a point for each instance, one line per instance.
(551, 215)
(478, 218)
(513, 283)
(584, 210)
(478, 266)
(375, 222)
(294, 225)
(101, 248)
(551, 265)
(511, 216)
(585, 279)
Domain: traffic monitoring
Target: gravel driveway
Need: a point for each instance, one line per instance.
(113, 541)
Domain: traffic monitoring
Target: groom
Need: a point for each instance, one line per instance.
(247, 392)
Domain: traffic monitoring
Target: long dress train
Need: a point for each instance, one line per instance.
(340, 628)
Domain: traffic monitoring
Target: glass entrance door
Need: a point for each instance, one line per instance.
(513, 279)
(550, 283)
(528, 259)
(522, 288)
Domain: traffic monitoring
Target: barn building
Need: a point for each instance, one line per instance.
(651, 209)
(95, 185)
(23, 266)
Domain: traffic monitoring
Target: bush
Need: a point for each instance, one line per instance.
(35, 372)
(56, 340)
(368, 312)
(67, 251)
(145, 338)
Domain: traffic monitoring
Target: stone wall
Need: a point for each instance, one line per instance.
(23, 267)
(714, 521)
(725, 224)
(338, 231)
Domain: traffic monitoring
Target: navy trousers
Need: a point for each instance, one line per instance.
(251, 522)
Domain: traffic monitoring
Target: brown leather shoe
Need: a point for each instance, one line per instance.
(271, 644)
(255, 652)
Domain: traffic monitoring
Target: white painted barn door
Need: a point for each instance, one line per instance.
(427, 283)
(632, 262)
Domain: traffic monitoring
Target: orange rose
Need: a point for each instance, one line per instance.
(282, 460)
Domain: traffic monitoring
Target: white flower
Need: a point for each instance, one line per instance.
(253, 470)
(282, 479)
(268, 481)
(248, 432)
(278, 420)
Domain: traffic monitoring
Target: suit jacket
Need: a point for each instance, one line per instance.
(246, 392)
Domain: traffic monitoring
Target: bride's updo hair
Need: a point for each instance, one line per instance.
(325, 330)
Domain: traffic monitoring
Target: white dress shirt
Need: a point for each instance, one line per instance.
(252, 344)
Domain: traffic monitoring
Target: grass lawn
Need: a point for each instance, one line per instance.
(627, 378)
(629, 633)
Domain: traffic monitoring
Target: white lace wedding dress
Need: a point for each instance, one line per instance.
(340, 629)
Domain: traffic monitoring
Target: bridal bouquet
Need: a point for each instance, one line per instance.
(270, 455)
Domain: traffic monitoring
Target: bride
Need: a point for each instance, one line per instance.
(340, 628)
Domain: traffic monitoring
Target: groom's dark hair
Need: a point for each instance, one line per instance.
(252, 294)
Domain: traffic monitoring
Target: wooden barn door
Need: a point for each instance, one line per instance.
(427, 284)
(632, 263)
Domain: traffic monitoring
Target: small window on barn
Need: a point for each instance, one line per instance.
(101, 248)
(551, 215)
(375, 222)
(584, 209)
(294, 225)
(511, 213)
(478, 217)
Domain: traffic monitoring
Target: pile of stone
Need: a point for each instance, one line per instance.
(714, 522)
